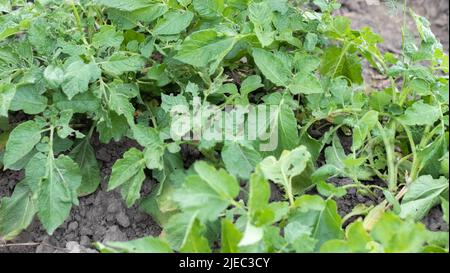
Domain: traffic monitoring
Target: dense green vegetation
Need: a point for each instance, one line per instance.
(117, 68)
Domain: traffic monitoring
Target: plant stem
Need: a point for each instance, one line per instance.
(416, 164)
(390, 155)
(78, 20)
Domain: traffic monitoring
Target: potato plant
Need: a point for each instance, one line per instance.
(116, 69)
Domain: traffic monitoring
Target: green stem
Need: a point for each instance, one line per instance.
(390, 156)
(50, 156)
(416, 164)
(78, 20)
(341, 57)
(288, 189)
(91, 131)
(371, 159)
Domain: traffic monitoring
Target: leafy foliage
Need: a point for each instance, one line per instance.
(116, 69)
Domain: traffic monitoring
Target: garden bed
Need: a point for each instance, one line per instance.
(103, 216)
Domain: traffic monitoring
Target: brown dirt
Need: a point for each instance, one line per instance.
(101, 216)
(387, 21)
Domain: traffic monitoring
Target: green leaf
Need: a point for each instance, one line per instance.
(205, 47)
(128, 173)
(251, 84)
(130, 19)
(6, 32)
(77, 76)
(261, 16)
(420, 114)
(392, 201)
(423, 194)
(35, 170)
(432, 153)
(7, 93)
(21, 141)
(144, 135)
(379, 100)
(419, 87)
(63, 127)
(363, 127)
(259, 192)
(83, 154)
(338, 62)
(252, 235)
(356, 241)
(220, 181)
(424, 29)
(142, 245)
(131, 191)
(128, 90)
(306, 63)
(209, 8)
(279, 132)
(195, 241)
(120, 63)
(81, 103)
(54, 75)
(112, 127)
(279, 5)
(58, 191)
(184, 3)
(259, 211)
(173, 23)
(160, 204)
(311, 40)
(154, 146)
(119, 99)
(107, 37)
(39, 36)
(216, 188)
(28, 99)
(16, 212)
(272, 67)
(168, 102)
(397, 236)
(177, 228)
(320, 215)
(5, 6)
(444, 204)
(273, 239)
(230, 237)
(185, 233)
(328, 189)
(159, 74)
(341, 26)
(240, 160)
(289, 165)
(340, 164)
(444, 168)
(298, 237)
(305, 83)
(129, 5)
(390, 235)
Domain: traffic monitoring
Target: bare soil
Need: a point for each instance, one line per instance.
(387, 21)
(101, 216)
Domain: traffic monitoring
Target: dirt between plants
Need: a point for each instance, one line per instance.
(387, 20)
(103, 216)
